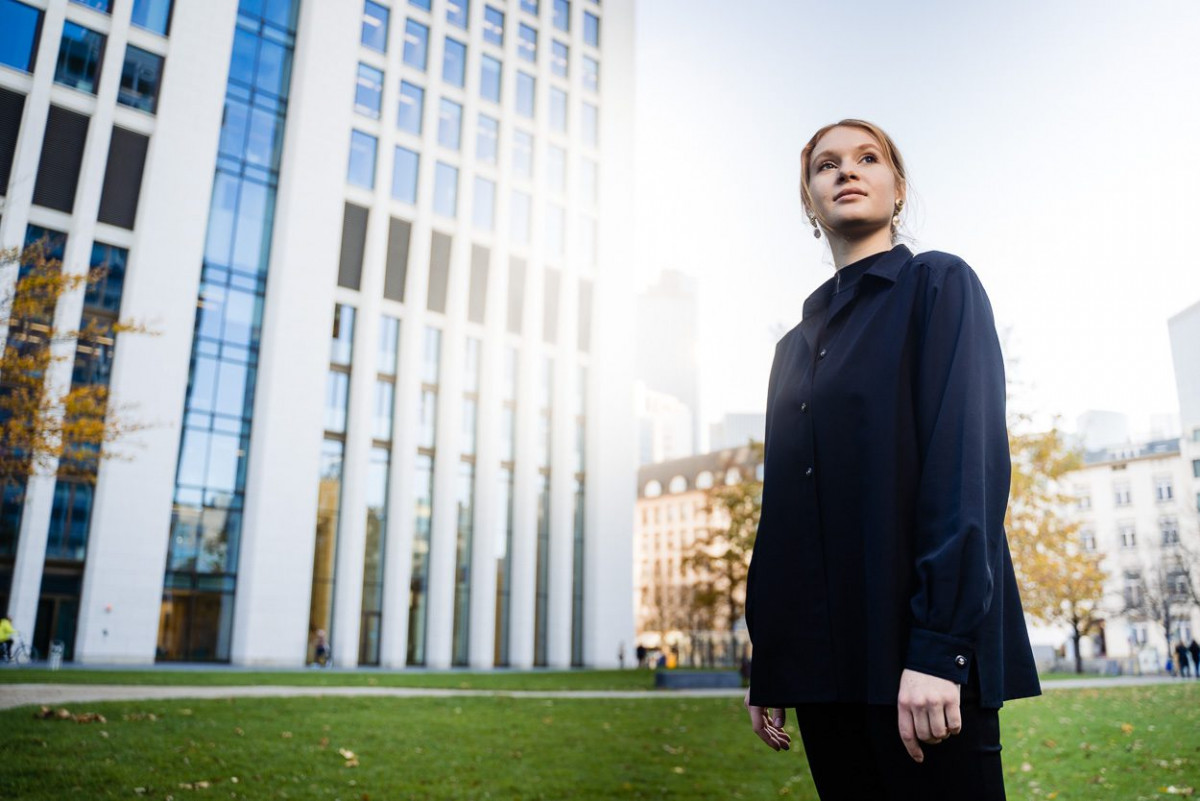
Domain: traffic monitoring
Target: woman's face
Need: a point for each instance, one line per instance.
(853, 188)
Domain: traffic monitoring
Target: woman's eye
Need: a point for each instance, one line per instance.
(826, 165)
(870, 158)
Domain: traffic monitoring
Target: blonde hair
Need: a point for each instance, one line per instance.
(891, 154)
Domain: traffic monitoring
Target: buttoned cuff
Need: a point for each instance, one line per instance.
(939, 655)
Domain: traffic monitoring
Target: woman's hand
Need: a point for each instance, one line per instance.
(928, 708)
(768, 727)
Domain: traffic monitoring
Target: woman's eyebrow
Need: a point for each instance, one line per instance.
(826, 154)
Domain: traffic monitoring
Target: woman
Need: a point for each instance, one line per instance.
(881, 599)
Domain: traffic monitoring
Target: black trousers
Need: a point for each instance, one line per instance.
(855, 753)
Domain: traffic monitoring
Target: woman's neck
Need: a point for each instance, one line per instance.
(848, 251)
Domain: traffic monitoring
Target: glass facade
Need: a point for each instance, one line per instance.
(450, 117)
(519, 212)
(462, 571)
(140, 78)
(368, 91)
(404, 175)
(418, 582)
(527, 42)
(562, 15)
(493, 26)
(487, 140)
(522, 155)
(201, 572)
(416, 45)
(542, 564)
(412, 106)
(591, 29)
(489, 78)
(375, 26)
(20, 26)
(454, 63)
(484, 211)
(457, 12)
(560, 56)
(372, 591)
(445, 190)
(558, 110)
(79, 57)
(361, 170)
(526, 89)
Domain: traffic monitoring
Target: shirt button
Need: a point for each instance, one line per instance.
(804, 406)
(961, 661)
(821, 355)
(809, 472)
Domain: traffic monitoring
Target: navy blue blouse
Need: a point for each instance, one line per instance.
(881, 541)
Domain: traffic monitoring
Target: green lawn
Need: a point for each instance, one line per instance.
(1126, 743)
(459, 680)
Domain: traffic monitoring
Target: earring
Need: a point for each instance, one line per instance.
(896, 215)
(812, 218)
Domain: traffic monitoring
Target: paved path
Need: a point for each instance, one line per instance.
(14, 695)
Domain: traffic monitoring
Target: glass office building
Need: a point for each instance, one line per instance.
(373, 241)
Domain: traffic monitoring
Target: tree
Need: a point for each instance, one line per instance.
(720, 556)
(1061, 581)
(1163, 591)
(45, 430)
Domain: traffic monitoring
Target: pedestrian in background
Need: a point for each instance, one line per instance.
(881, 598)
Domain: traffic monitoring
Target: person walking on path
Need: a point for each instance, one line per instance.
(1181, 657)
(1194, 649)
(881, 598)
(6, 637)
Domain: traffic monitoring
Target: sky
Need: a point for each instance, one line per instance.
(1055, 146)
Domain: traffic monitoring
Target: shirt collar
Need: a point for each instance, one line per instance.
(886, 268)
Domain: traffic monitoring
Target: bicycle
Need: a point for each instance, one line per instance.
(20, 652)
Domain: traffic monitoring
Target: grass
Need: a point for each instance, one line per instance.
(1121, 743)
(459, 680)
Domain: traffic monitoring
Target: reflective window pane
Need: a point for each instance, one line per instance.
(445, 190)
(487, 139)
(527, 43)
(590, 122)
(424, 5)
(19, 24)
(591, 29)
(457, 12)
(454, 63)
(343, 335)
(562, 15)
(591, 74)
(140, 77)
(519, 213)
(556, 223)
(362, 160)
(522, 154)
(99, 5)
(416, 45)
(412, 106)
(389, 344)
(381, 427)
(559, 58)
(79, 57)
(368, 91)
(484, 210)
(489, 79)
(404, 175)
(558, 110)
(530, 6)
(493, 26)
(526, 86)
(153, 15)
(556, 169)
(450, 124)
(589, 181)
(375, 26)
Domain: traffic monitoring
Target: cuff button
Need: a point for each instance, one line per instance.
(961, 661)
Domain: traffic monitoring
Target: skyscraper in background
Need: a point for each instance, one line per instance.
(375, 240)
(667, 335)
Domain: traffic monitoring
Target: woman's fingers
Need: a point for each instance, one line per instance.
(768, 727)
(908, 735)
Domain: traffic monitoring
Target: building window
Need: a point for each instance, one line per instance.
(558, 110)
(591, 74)
(416, 45)
(489, 79)
(1127, 534)
(591, 125)
(519, 213)
(140, 77)
(454, 63)
(484, 210)
(1169, 527)
(526, 87)
(1196, 468)
(589, 181)
(591, 29)
(21, 25)
(559, 59)
(562, 15)
(1121, 495)
(445, 190)
(450, 125)
(457, 12)
(487, 140)
(527, 42)
(362, 160)
(556, 239)
(556, 169)
(368, 91)
(412, 107)
(155, 15)
(1163, 491)
(79, 57)
(404, 175)
(522, 154)
(493, 26)
(1083, 498)
(1087, 539)
(530, 6)
(375, 26)
(104, 6)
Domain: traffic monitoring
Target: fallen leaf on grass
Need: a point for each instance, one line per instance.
(287, 735)
(1173, 790)
(1126, 728)
(350, 757)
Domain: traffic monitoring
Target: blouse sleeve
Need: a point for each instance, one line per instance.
(965, 471)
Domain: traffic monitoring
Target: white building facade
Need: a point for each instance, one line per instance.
(1134, 506)
(373, 240)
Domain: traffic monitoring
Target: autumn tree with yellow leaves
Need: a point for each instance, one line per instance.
(44, 430)
(1061, 582)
